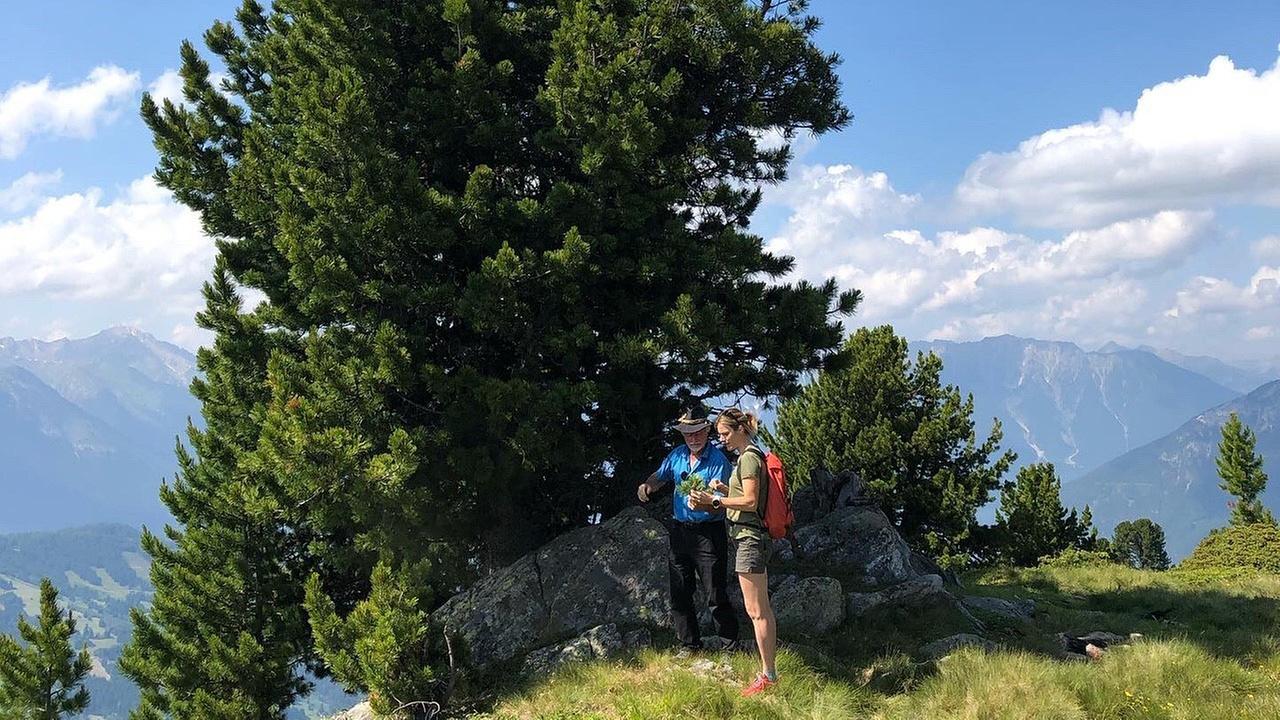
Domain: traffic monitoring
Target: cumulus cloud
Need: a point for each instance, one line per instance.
(31, 109)
(141, 245)
(1187, 143)
(1216, 296)
(1128, 245)
(848, 224)
(1260, 332)
(167, 87)
(27, 190)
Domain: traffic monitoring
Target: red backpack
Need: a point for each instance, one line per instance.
(777, 517)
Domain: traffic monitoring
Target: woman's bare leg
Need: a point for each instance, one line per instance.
(755, 596)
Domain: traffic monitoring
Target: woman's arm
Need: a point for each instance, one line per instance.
(746, 502)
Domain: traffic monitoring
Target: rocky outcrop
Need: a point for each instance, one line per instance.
(919, 593)
(557, 603)
(615, 572)
(1017, 609)
(599, 642)
(359, 712)
(826, 493)
(859, 541)
(939, 649)
(811, 606)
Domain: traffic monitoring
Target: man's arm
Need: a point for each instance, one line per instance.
(655, 481)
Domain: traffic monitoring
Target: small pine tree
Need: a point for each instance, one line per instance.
(1140, 544)
(45, 679)
(1241, 471)
(386, 644)
(1087, 537)
(1032, 522)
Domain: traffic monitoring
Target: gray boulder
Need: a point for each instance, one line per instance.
(811, 606)
(939, 649)
(1018, 609)
(359, 712)
(598, 642)
(919, 593)
(615, 572)
(826, 493)
(860, 541)
(925, 565)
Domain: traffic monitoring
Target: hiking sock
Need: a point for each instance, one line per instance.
(773, 676)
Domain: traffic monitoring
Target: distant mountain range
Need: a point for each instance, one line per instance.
(87, 428)
(1174, 479)
(1077, 409)
(1241, 378)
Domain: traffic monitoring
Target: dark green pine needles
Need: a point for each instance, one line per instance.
(499, 244)
(42, 678)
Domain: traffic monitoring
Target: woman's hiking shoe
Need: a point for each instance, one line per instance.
(761, 684)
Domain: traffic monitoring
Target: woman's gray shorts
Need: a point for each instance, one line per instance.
(751, 553)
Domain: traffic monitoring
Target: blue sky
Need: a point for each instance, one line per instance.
(981, 189)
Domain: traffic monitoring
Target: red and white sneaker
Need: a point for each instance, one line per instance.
(761, 684)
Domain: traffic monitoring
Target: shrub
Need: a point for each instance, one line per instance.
(1255, 546)
(1077, 558)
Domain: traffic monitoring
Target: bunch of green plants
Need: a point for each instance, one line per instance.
(689, 483)
(1074, 557)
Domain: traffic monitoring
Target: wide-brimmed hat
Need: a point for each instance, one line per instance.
(691, 421)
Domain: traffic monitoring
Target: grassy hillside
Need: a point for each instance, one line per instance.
(1210, 649)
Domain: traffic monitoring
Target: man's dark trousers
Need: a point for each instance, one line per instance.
(699, 552)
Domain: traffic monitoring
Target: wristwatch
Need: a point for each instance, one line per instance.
(715, 503)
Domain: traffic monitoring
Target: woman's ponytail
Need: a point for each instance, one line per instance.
(739, 420)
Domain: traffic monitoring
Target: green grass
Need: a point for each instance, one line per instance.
(1210, 649)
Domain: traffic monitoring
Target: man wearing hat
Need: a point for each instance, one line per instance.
(699, 541)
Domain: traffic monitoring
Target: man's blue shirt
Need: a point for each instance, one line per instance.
(712, 465)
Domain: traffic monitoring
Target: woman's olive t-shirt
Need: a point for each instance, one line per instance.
(750, 464)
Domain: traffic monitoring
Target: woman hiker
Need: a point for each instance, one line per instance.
(745, 504)
(699, 541)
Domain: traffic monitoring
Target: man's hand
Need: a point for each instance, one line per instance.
(644, 490)
(719, 487)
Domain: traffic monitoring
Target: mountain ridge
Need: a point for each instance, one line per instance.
(1077, 409)
(1173, 479)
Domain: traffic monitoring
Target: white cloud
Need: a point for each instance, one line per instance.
(142, 245)
(1261, 332)
(167, 87)
(27, 190)
(848, 225)
(31, 109)
(56, 330)
(1129, 245)
(189, 336)
(1215, 296)
(1189, 143)
(1268, 248)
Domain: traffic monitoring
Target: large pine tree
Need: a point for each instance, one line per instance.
(910, 437)
(499, 242)
(43, 678)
